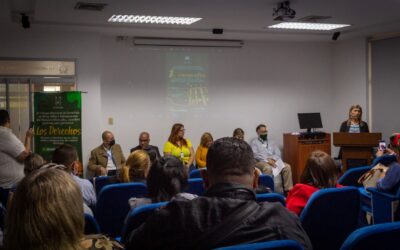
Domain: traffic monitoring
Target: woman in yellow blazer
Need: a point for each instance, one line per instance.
(179, 146)
(201, 152)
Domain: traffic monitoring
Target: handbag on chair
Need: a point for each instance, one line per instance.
(371, 178)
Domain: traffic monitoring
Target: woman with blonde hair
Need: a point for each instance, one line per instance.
(201, 152)
(179, 146)
(354, 124)
(46, 213)
(136, 167)
(320, 172)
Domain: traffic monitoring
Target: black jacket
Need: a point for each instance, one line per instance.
(345, 127)
(151, 148)
(181, 223)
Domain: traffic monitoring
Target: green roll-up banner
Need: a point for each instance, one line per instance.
(57, 120)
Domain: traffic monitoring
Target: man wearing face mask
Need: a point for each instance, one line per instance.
(268, 156)
(107, 158)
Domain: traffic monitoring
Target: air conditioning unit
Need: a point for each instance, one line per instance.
(149, 41)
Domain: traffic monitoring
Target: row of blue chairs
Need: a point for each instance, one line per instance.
(380, 205)
(112, 205)
(383, 236)
(102, 181)
(327, 228)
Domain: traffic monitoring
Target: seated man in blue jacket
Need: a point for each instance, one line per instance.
(227, 214)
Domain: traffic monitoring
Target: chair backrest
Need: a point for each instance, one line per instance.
(266, 181)
(195, 173)
(381, 204)
(352, 175)
(271, 197)
(91, 225)
(99, 183)
(196, 186)
(330, 216)
(137, 217)
(384, 159)
(267, 245)
(112, 205)
(381, 236)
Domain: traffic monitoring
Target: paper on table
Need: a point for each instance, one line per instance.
(279, 165)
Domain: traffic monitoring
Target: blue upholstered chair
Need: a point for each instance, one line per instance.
(138, 216)
(112, 205)
(99, 183)
(271, 197)
(383, 205)
(382, 236)
(91, 225)
(196, 186)
(267, 245)
(351, 176)
(383, 208)
(195, 173)
(384, 159)
(330, 216)
(266, 181)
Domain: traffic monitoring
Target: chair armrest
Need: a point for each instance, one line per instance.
(376, 192)
(382, 206)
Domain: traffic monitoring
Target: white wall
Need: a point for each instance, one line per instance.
(263, 82)
(84, 48)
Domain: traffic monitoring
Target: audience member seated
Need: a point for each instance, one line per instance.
(268, 156)
(390, 183)
(136, 168)
(46, 213)
(33, 162)
(228, 214)
(144, 144)
(320, 172)
(106, 159)
(180, 147)
(238, 133)
(12, 154)
(68, 156)
(393, 147)
(168, 179)
(201, 152)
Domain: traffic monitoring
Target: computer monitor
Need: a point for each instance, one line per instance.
(309, 121)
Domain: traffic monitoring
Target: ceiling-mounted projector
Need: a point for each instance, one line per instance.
(283, 12)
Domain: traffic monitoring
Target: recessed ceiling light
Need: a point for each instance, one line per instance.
(153, 19)
(307, 26)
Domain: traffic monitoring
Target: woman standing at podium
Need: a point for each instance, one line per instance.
(355, 124)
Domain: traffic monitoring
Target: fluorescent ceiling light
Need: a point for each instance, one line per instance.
(307, 26)
(51, 88)
(153, 19)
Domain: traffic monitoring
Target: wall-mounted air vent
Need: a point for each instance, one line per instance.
(90, 6)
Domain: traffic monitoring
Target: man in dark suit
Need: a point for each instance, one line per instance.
(107, 158)
(144, 144)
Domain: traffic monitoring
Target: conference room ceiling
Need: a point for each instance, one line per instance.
(240, 19)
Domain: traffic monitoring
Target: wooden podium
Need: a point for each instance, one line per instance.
(296, 150)
(356, 145)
